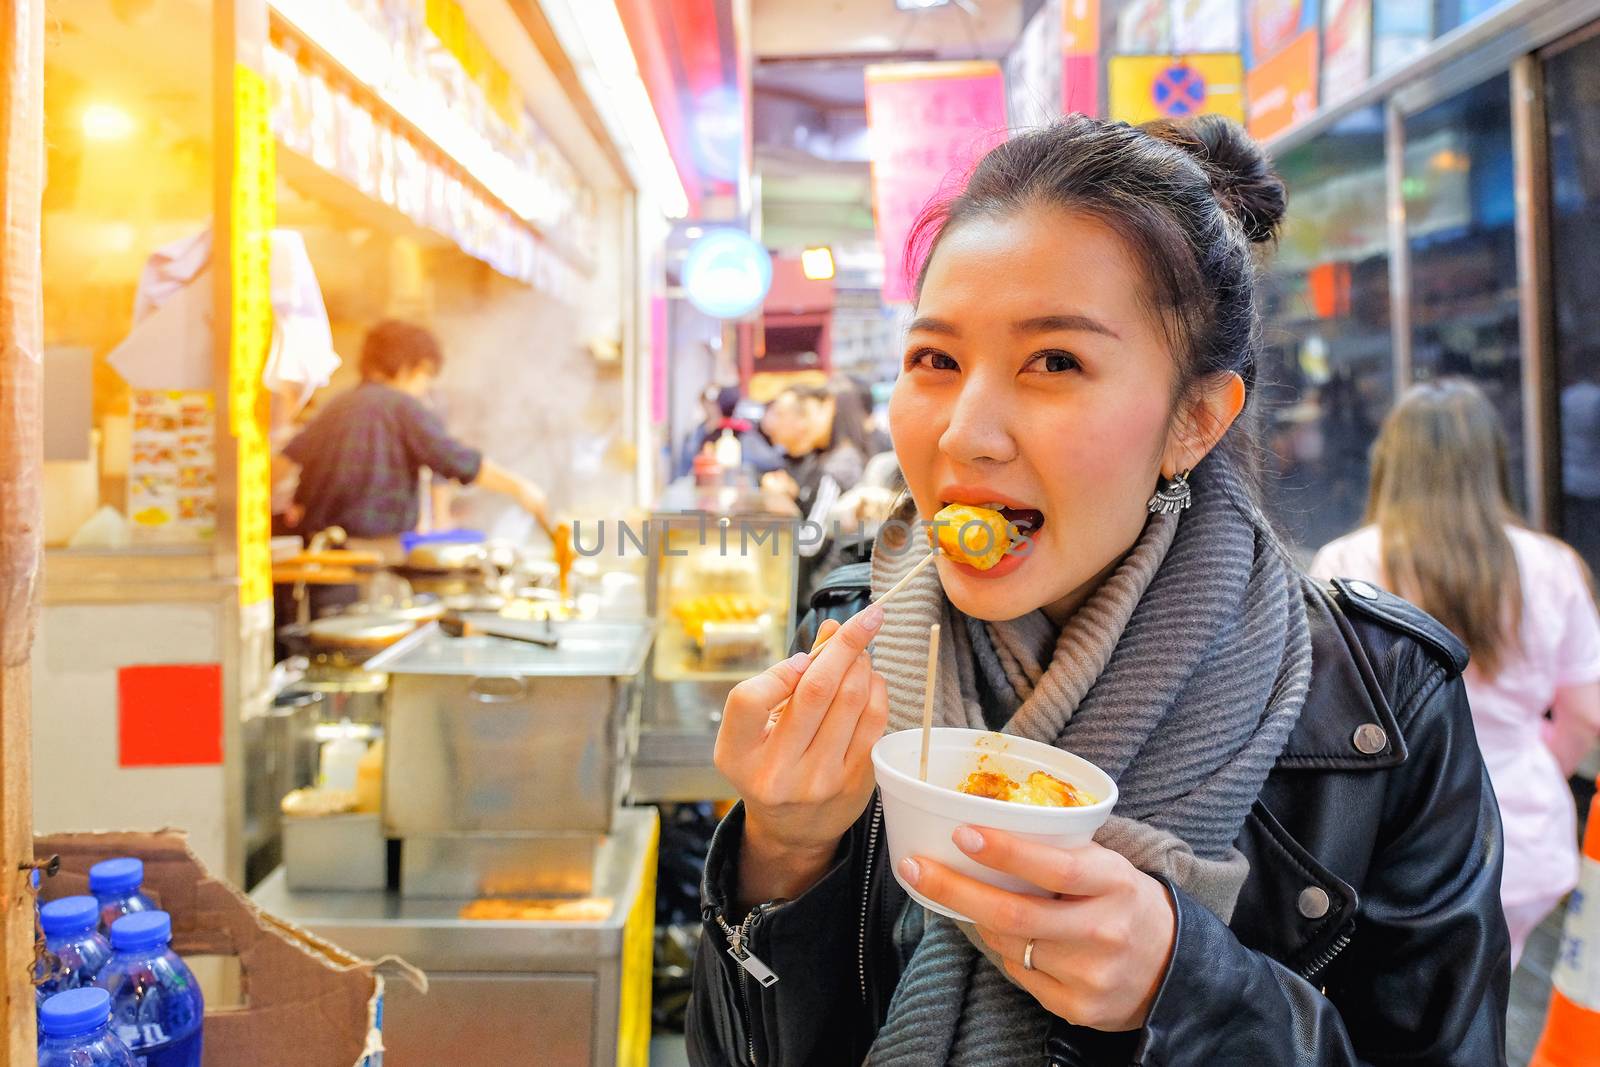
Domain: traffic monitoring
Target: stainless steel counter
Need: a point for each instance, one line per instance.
(493, 745)
(585, 649)
(501, 989)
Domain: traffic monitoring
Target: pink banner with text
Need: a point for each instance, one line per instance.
(928, 125)
(1080, 57)
(658, 360)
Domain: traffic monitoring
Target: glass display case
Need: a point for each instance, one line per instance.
(722, 595)
(722, 584)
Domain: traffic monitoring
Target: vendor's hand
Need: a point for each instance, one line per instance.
(1100, 949)
(805, 774)
(535, 503)
(781, 482)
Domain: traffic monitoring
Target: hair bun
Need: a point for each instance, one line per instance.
(1241, 173)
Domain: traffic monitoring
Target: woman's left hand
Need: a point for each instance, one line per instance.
(1100, 948)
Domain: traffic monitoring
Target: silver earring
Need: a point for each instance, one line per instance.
(1171, 498)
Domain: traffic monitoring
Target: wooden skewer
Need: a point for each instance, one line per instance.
(893, 589)
(817, 646)
(927, 698)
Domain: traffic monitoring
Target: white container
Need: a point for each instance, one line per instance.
(340, 760)
(919, 817)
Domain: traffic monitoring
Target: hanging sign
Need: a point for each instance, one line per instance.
(1346, 48)
(1283, 90)
(727, 273)
(1080, 57)
(1274, 25)
(928, 124)
(1205, 25)
(1145, 88)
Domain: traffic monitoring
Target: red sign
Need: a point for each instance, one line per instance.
(928, 125)
(169, 716)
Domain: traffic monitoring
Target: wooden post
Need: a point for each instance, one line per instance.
(21, 499)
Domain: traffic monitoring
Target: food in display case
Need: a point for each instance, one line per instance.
(583, 910)
(723, 600)
(726, 631)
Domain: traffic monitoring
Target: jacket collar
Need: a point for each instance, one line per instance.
(1345, 706)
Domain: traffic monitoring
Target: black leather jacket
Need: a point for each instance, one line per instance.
(1369, 930)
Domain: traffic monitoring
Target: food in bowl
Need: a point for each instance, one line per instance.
(921, 815)
(1041, 789)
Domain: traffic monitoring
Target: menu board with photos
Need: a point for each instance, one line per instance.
(172, 468)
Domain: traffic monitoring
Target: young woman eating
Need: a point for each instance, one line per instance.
(1304, 861)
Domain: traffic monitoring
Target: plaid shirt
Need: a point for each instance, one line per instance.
(360, 456)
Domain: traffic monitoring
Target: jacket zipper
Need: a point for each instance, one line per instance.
(866, 895)
(1326, 957)
(750, 965)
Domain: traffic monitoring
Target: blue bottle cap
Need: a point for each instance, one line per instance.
(141, 930)
(75, 1011)
(116, 876)
(69, 915)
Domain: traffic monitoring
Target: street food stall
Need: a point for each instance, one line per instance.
(229, 207)
(522, 886)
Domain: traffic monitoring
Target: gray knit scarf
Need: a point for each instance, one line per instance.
(1181, 676)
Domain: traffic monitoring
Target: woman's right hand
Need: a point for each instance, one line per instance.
(805, 774)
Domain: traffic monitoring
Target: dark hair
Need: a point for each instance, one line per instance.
(849, 418)
(1189, 198)
(728, 400)
(393, 348)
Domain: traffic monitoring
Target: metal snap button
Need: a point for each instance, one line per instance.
(1364, 590)
(1370, 739)
(1313, 902)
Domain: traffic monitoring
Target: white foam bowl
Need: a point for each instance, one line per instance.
(919, 817)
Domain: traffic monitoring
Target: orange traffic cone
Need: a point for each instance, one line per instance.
(1571, 1035)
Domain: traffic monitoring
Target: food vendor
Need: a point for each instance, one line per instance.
(359, 458)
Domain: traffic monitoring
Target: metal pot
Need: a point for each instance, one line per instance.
(447, 557)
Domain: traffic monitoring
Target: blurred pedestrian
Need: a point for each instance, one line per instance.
(823, 450)
(1441, 531)
(1580, 454)
(718, 407)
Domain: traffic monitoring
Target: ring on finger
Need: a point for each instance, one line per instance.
(1027, 955)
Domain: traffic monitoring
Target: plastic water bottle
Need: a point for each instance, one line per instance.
(74, 1031)
(115, 884)
(72, 933)
(156, 1005)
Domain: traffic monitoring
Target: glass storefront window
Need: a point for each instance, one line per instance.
(1461, 227)
(1327, 373)
(1451, 14)
(1572, 99)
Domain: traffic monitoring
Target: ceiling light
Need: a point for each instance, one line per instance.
(107, 122)
(920, 5)
(590, 32)
(817, 263)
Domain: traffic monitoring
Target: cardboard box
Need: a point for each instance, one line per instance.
(302, 1001)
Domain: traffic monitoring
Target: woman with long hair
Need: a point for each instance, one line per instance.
(1442, 531)
(1304, 859)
